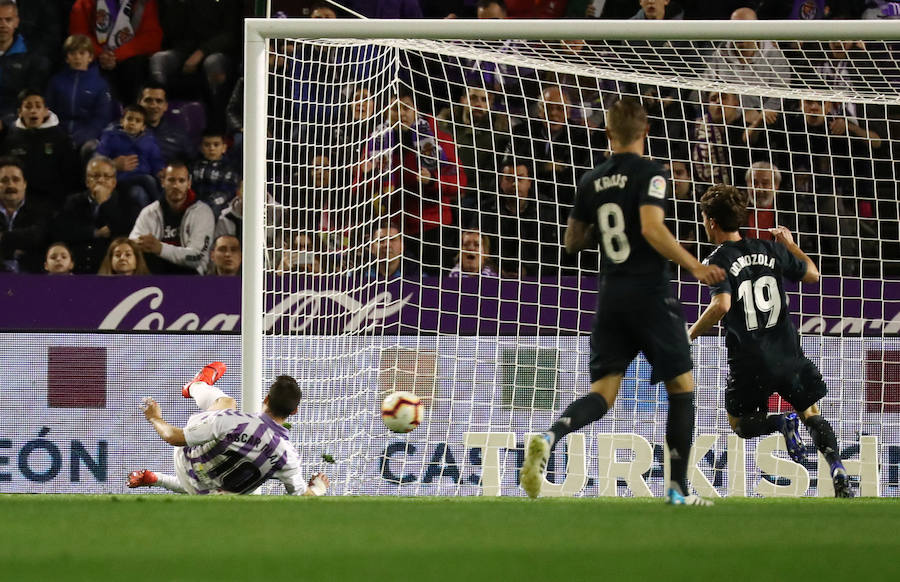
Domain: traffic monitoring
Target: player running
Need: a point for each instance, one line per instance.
(623, 201)
(222, 450)
(764, 353)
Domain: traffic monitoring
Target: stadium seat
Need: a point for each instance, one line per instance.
(189, 115)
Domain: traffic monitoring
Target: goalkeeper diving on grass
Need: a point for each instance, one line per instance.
(764, 353)
(222, 450)
(622, 202)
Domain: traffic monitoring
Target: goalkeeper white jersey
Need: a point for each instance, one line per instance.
(236, 452)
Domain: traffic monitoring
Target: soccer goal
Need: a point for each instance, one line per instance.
(407, 186)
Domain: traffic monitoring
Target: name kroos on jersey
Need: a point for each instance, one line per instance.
(614, 181)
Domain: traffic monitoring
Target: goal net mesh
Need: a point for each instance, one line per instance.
(418, 193)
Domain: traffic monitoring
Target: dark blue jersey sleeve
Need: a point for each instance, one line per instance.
(582, 209)
(723, 286)
(792, 268)
(655, 191)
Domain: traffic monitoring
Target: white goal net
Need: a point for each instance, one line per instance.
(407, 200)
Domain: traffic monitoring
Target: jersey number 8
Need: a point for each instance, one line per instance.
(612, 232)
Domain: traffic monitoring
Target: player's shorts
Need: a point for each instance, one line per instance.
(649, 321)
(747, 391)
(183, 468)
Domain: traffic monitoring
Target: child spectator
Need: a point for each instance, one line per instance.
(123, 35)
(123, 258)
(44, 148)
(136, 155)
(79, 95)
(474, 256)
(213, 177)
(58, 260)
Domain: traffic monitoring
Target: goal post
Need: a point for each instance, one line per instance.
(442, 138)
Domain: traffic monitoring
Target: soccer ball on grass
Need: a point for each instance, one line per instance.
(401, 411)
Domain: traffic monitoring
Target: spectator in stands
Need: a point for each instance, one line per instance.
(79, 95)
(212, 176)
(491, 9)
(123, 36)
(754, 62)
(44, 148)
(200, 39)
(474, 256)
(796, 10)
(763, 182)
(317, 93)
(835, 152)
(123, 257)
(175, 232)
(136, 154)
(58, 260)
(606, 9)
(560, 146)
(42, 25)
(225, 258)
(173, 141)
(332, 213)
(430, 180)
(873, 9)
(377, 175)
(659, 10)
(322, 9)
(385, 8)
(234, 123)
(828, 140)
(479, 132)
(23, 223)
(20, 68)
(231, 220)
(302, 254)
(841, 68)
(527, 228)
(718, 140)
(90, 219)
(667, 111)
(535, 8)
(684, 221)
(515, 84)
(386, 253)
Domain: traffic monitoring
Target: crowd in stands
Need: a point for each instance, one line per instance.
(121, 142)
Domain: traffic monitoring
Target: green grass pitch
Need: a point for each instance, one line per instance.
(157, 538)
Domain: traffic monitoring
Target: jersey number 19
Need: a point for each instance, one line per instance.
(760, 295)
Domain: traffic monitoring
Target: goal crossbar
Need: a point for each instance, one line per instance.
(258, 29)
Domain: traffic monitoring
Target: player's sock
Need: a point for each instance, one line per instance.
(581, 412)
(758, 424)
(823, 436)
(205, 395)
(169, 482)
(679, 436)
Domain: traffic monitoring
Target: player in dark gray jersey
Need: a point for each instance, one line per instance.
(764, 353)
(620, 205)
